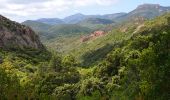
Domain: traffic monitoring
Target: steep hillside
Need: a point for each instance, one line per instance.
(13, 36)
(95, 49)
(21, 51)
(138, 68)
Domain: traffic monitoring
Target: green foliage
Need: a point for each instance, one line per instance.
(94, 96)
(38, 26)
(147, 67)
(68, 29)
(95, 23)
(136, 67)
(55, 62)
(9, 86)
(48, 32)
(69, 61)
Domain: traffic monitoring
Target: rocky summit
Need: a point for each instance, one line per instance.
(16, 36)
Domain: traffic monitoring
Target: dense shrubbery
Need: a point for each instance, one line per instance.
(137, 68)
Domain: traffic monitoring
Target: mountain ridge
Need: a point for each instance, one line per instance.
(16, 36)
(51, 21)
(148, 11)
(78, 17)
(154, 9)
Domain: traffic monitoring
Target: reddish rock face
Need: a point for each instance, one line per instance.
(92, 36)
(99, 33)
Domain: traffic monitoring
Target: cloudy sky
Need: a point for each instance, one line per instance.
(20, 10)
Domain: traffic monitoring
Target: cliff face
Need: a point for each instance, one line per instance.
(15, 35)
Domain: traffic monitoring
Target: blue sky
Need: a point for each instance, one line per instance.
(20, 10)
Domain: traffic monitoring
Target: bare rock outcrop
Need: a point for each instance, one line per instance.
(15, 35)
(93, 35)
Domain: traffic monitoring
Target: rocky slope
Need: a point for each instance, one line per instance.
(148, 11)
(16, 36)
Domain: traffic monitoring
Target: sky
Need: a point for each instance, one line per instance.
(21, 10)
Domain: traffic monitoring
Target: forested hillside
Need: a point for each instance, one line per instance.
(130, 62)
(65, 37)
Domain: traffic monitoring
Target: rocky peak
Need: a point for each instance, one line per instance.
(148, 6)
(15, 35)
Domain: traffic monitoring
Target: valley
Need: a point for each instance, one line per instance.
(120, 56)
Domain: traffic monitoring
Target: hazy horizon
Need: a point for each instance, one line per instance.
(19, 10)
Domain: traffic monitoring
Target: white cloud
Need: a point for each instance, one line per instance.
(26, 8)
(79, 3)
(106, 2)
(94, 2)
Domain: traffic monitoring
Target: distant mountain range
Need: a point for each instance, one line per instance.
(88, 23)
(76, 18)
(50, 21)
(145, 10)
